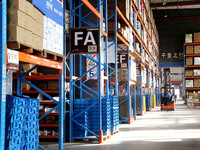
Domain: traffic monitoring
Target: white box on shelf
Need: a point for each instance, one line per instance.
(189, 83)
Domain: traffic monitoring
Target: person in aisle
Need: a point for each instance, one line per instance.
(166, 98)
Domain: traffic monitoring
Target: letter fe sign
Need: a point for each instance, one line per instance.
(85, 40)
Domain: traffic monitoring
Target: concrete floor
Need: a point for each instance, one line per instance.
(156, 130)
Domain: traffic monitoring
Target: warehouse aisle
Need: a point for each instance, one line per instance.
(166, 130)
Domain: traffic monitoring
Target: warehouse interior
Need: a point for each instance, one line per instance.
(100, 74)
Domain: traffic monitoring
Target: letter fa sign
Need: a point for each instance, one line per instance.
(85, 40)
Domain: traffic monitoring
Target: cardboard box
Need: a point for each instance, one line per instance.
(196, 83)
(196, 60)
(38, 29)
(189, 61)
(37, 42)
(188, 73)
(197, 37)
(189, 83)
(189, 50)
(16, 33)
(53, 85)
(25, 87)
(196, 72)
(188, 38)
(27, 67)
(197, 49)
(38, 16)
(19, 18)
(42, 86)
(22, 5)
(67, 20)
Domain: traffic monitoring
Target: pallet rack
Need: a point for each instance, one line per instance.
(186, 67)
(89, 107)
(37, 61)
(139, 91)
(3, 39)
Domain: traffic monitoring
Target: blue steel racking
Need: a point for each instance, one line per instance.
(38, 61)
(3, 41)
(88, 114)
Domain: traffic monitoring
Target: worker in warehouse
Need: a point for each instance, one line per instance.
(166, 98)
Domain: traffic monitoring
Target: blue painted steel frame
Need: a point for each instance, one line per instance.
(96, 95)
(184, 93)
(3, 41)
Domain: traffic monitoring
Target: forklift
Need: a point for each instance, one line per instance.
(168, 103)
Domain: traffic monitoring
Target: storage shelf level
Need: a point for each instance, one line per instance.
(48, 137)
(51, 114)
(49, 125)
(189, 89)
(192, 77)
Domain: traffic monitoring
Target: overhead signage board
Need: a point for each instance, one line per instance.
(85, 40)
(52, 9)
(122, 60)
(1, 1)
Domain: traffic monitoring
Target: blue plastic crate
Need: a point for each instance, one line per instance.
(32, 118)
(15, 148)
(32, 125)
(31, 146)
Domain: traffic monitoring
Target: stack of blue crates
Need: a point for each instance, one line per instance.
(106, 116)
(114, 113)
(15, 122)
(32, 124)
(79, 106)
(90, 119)
(18, 112)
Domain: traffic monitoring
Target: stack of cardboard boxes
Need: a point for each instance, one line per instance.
(29, 27)
(25, 24)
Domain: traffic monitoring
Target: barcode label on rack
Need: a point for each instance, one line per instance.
(124, 65)
(92, 48)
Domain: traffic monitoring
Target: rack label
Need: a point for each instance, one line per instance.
(122, 60)
(90, 65)
(85, 40)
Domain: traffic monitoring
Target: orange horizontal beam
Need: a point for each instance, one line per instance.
(35, 92)
(192, 77)
(190, 44)
(48, 136)
(189, 55)
(149, 21)
(138, 54)
(130, 54)
(49, 125)
(192, 88)
(123, 40)
(122, 16)
(31, 59)
(92, 8)
(138, 15)
(146, 63)
(104, 33)
(192, 66)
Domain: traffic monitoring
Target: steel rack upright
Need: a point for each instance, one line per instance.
(90, 107)
(3, 41)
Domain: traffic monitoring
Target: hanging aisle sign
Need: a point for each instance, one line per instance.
(1, 1)
(122, 60)
(85, 40)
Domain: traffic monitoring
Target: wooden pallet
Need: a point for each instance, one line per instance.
(91, 140)
(25, 48)
(53, 56)
(112, 133)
